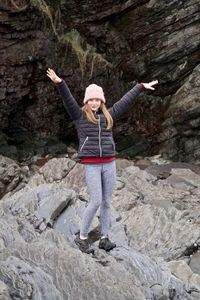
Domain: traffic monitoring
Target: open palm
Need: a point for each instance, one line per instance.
(150, 85)
(53, 76)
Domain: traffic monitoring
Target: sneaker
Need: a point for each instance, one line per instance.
(106, 244)
(83, 245)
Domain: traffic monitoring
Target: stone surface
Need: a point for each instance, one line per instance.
(48, 267)
(182, 271)
(4, 294)
(195, 262)
(114, 45)
(41, 204)
(179, 137)
(12, 175)
(154, 223)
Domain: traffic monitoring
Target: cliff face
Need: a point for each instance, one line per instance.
(114, 45)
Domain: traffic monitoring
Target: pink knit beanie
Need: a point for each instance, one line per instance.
(94, 91)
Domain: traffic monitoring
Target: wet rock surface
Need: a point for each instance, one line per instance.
(181, 126)
(114, 45)
(154, 222)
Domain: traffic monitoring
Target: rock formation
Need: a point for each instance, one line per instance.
(115, 45)
(155, 224)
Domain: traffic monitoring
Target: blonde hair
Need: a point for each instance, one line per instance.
(91, 118)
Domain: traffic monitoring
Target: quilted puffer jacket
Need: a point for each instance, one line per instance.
(95, 140)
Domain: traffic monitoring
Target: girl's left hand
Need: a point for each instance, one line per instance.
(149, 86)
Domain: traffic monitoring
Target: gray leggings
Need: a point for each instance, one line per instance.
(100, 179)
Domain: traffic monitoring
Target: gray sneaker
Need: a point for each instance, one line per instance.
(106, 244)
(83, 245)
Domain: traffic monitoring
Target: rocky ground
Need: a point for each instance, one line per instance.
(155, 224)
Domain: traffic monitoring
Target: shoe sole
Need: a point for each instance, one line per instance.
(87, 251)
(107, 249)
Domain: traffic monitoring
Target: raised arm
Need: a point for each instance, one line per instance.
(128, 99)
(69, 102)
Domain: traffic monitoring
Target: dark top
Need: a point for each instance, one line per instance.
(95, 140)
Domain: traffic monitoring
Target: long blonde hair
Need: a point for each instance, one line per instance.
(91, 118)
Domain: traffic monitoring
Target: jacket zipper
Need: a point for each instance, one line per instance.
(113, 143)
(100, 149)
(84, 143)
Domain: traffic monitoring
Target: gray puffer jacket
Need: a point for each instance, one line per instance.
(95, 140)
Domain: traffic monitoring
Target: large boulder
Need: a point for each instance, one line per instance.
(12, 175)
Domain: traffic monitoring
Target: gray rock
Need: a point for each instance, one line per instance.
(54, 270)
(54, 170)
(151, 228)
(188, 176)
(40, 203)
(182, 271)
(26, 281)
(194, 262)
(12, 176)
(4, 294)
(159, 231)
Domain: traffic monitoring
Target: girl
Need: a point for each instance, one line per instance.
(94, 124)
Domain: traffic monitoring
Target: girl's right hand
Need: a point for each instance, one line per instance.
(52, 75)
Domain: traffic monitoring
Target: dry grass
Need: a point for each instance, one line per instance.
(84, 51)
(19, 5)
(46, 10)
